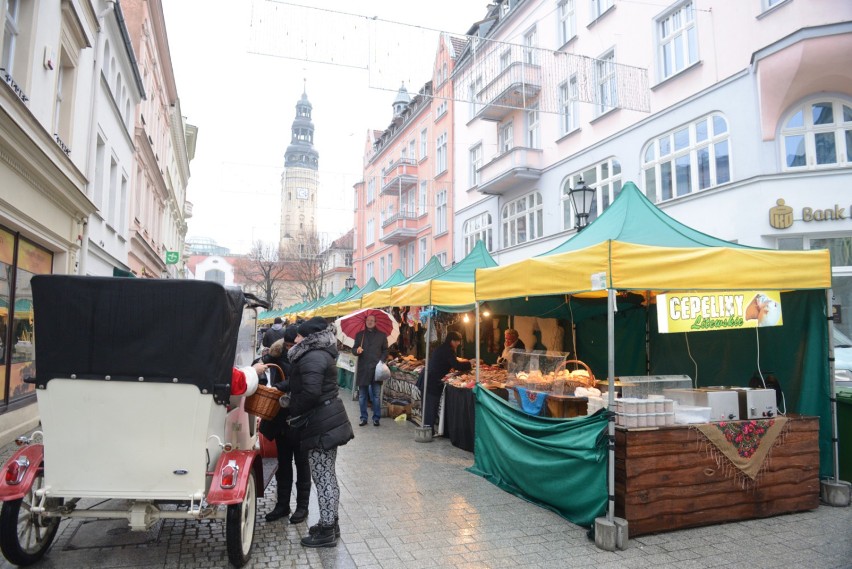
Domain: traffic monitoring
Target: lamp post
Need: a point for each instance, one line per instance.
(582, 197)
(349, 283)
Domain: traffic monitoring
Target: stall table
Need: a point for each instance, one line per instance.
(403, 385)
(665, 480)
(459, 416)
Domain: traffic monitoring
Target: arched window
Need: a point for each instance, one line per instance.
(522, 220)
(817, 134)
(106, 59)
(477, 228)
(604, 177)
(215, 275)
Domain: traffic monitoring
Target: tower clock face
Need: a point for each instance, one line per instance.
(302, 193)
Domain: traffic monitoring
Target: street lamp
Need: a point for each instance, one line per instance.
(583, 198)
(349, 283)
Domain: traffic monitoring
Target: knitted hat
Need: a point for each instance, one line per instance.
(315, 324)
(290, 333)
(277, 320)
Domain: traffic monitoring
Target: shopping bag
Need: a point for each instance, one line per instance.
(382, 372)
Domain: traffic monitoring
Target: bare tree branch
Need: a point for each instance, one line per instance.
(264, 270)
(306, 262)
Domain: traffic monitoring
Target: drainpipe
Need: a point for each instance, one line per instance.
(93, 123)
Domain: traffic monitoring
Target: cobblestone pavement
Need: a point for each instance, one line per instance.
(408, 504)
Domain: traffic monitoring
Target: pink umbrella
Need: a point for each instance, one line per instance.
(347, 326)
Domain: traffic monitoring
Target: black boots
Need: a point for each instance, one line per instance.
(281, 510)
(300, 515)
(325, 536)
(313, 530)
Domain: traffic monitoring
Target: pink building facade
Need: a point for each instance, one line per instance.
(404, 203)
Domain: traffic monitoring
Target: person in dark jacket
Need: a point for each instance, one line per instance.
(442, 360)
(513, 342)
(286, 439)
(275, 333)
(371, 347)
(313, 395)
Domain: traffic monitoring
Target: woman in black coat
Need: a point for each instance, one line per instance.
(442, 360)
(286, 439)
(313, 396)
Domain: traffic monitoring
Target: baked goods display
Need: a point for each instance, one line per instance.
(407, 363)
(489, 376)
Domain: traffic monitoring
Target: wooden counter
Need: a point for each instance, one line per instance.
(664, 481)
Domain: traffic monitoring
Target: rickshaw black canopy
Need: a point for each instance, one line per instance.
(175, 331)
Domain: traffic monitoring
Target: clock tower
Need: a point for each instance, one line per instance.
(300, 180)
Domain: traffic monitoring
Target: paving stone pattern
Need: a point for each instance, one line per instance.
(406, 504)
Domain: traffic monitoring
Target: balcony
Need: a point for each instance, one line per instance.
(519, 166)
(187, 209)
(513, 88)
(399, 228)
(399, 176)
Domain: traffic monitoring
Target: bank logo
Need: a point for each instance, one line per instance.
(781, 216)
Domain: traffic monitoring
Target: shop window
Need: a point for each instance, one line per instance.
(20, 260)
(689, 159)
(817, 134)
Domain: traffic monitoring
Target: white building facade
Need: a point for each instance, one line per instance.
(746, 131)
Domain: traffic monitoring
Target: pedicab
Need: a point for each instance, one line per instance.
(138, 412)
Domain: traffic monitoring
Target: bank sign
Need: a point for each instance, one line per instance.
(705, 312)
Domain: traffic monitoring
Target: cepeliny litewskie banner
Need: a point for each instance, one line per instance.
(708, 311)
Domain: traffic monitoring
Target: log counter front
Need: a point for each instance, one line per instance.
(665, 480)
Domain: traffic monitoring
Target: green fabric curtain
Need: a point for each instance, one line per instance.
(559, 464)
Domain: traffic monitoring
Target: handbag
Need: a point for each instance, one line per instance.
(300, 421)
(382, 372)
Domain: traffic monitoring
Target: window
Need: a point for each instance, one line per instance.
(442, 109)
(475, 164)
(533, 136)
(599, 7)
(604, 178)
(411, 258)
(567, 21)
(215, 275)
(369, 270)
(606, 83)
(10, 36)
(424, 248)
(100, 157)
(371, 190)
(473, 96)
(691, 158)
(441, 212)
(505, 137)
(475, 229)
(568, 105)
(390, 264)
(370, 238)
(677, 38)
(403, 261)
(441, 154)
(530, 42)
(424, 194)
(522, 220)
(817, 134)
(505, 60)
(424, 143)
(443, 73)
(347, 258)
(412, 149)
(442, 258)
(381, 269)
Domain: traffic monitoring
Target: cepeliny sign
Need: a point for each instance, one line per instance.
(703, 311)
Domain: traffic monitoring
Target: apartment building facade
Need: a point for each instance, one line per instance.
(164, 146)
(404, 203)
(742, 128)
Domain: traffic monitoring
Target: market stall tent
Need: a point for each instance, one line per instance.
(382, 296)
(633, 251)
(450, 291)
(352, 302)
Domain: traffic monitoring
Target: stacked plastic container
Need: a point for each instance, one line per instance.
(632, 412)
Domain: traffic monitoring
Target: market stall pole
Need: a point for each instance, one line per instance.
(611, 532)
(834, 491)
(423, 434)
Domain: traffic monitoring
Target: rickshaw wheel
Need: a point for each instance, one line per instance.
(239, 525)
(24, 536)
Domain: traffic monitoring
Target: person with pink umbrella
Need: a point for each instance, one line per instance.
(371, 347)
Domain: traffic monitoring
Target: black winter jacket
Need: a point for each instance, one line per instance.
(271, 336)
(375, 346)
(277, 355)
(442, 360)
(313, 390)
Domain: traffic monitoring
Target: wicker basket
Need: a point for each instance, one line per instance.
(576, 382)
(264, 402)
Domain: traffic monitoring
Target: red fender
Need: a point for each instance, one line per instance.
(35, 454)
(249, 463)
